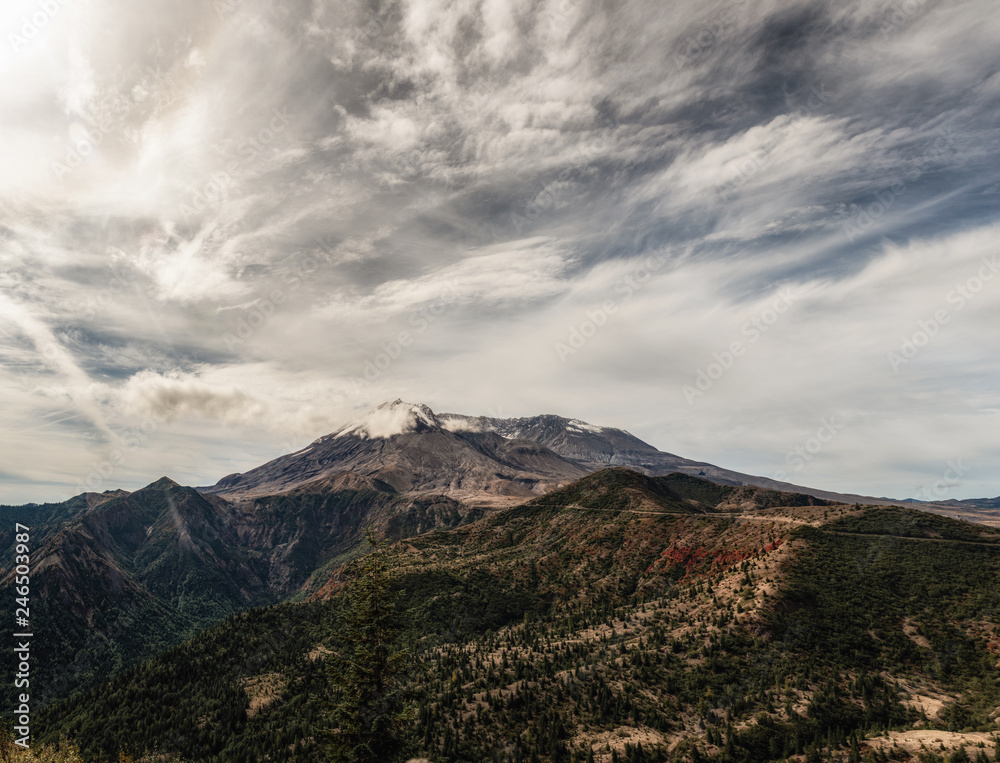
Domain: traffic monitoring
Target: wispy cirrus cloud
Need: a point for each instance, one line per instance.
(224, 213)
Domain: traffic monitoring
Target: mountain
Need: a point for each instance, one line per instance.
(487, 460)
(119, 579)
(119, 576)
(595, 447)
(975, 509)
(622, 617)
(407, 447)
(982, 503)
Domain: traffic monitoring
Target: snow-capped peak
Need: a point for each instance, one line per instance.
(390, 419)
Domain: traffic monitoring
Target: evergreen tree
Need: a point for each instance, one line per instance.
(855, 755)
(367, 708)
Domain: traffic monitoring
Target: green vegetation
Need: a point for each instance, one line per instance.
(124, 576)
(197, 699)
(618, 489)
(64, 752)
(908, 523)
(551, 633)
(367, 710)
(851, 601)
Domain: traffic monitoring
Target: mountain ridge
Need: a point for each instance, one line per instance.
(619, 618)
(467, 463)
(408, 447)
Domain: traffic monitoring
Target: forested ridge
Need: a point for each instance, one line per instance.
(615, 631)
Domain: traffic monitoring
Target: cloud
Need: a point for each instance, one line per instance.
(502, 276)
(178, 395)
(229, 218)
(388, 420)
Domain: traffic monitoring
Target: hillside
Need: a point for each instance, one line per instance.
(619, 489)
(118, 577)
(622, 618)
(124, 578)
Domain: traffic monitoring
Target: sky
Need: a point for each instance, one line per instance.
(760, 234)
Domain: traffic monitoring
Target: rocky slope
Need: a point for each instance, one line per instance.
(117, 577)
(408, 447)
(487, 460)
